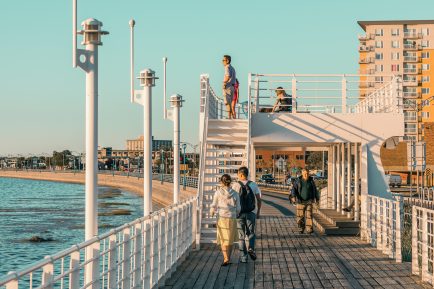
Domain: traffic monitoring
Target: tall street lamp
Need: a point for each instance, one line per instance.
(144, 97)
(176, 101)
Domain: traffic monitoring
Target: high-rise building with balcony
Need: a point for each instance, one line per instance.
(404, 48)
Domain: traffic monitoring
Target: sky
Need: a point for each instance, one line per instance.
(42, 98)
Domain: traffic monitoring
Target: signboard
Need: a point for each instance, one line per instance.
(183, 167)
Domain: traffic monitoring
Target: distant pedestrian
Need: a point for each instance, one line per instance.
(229, 81)
(305, 194)
(226, 204)
(250, 200)
(283, 101)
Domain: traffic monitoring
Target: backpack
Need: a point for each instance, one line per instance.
(247, 198)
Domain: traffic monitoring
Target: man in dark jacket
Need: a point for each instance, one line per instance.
(304, 192)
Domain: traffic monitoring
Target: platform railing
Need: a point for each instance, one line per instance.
(423, 243)
(323, 93)
(139, 254)
(190, 182)
(384, 225)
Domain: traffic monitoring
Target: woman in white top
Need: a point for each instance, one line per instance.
(226, 204)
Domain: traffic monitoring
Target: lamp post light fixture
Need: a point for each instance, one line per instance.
(184, 146)
(144, 97)
(176, 103)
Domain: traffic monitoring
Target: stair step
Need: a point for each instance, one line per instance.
(227, 142)
(323, 226)
(209, 221)
(337, 219)
(227, 150)
(226, 159)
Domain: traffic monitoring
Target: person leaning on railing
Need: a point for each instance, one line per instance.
(283, 101)
(226, 203)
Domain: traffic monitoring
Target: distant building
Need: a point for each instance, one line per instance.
(137, 144)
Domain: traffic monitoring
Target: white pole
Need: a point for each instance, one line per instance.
(356, 183)
(147, 150)
(176, 101)
(132, 23)
(349, 178)
(164, 88)
(74, 33)
(338, 175)
(342, 205)
(91, 211)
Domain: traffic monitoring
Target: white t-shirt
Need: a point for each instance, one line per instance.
(255, 189)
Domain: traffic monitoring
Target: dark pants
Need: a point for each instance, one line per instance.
(246, 224)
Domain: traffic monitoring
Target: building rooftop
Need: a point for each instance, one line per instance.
(363, 24)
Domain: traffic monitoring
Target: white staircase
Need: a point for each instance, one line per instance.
(225, 151)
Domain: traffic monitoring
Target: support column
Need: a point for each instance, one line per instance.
(364, 191)
(334, 178)
(338, 177)
(349, 177)
(330, 190)
(343, 188)
(356, 182)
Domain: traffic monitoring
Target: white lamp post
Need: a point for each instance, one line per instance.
(176, 101)
(144, 97)
(87, 59)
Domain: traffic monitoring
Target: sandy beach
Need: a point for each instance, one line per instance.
(161, 193)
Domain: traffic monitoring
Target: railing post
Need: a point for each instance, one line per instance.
(137, 270)
(74, 276)
(126, 249)
(349, 177)
(294, 94)
(155, 252)
(169, 238)
(257, 94)
(92, 268)
(112, 262)
(356, 183)
(424, 269)
(13, 284)
(344, 94)
(414, 241)
(162, 250)
(398, 247)
(147, 257)
(47, 275)
(194, 224)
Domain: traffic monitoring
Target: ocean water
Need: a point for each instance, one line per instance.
(53, 211)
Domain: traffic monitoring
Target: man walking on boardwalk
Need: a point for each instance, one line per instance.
(229, 81)
(250, 200)
(304, 192)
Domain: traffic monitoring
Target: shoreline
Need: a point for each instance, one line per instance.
(161, 193)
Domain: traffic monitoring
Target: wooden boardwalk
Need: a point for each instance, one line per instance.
(287, 259)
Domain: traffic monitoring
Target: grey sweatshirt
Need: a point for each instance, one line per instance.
(226, 203)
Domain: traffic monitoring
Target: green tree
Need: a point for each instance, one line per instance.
(314, 161)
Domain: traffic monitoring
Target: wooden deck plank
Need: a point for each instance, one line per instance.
(287, 259)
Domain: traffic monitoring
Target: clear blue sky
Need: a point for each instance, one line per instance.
(42, 96)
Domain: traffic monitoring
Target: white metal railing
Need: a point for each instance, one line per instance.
(322, 93)
(384, 225)
(215, 103)
(411, 94)
(412, 34)
(140, 254)
(423, 243)
(384, 99)
(190, 182)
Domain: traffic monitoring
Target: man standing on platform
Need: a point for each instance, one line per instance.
(250, 200)
(305, 194)
(228, 84)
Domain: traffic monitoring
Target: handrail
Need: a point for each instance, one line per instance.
(172, 224)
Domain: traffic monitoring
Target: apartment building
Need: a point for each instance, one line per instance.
(404, 48)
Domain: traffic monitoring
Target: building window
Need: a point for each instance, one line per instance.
(395, 67)
(299, 157)
(425, 90)
(379, 68)
(425, 78)
(425, 54)
(425, 66)
(425, 43)
(395, 55)
(379, 32)
(379, 56)
(259, 157)
(425, 114)
(395, 32)
(379, 44)
(425, 102)
(379, 79)
(425, 31)
(395, 44)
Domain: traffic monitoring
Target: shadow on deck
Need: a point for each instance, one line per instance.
(287, 259)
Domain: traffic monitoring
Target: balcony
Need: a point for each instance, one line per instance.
(366, 37)
(366, 48)
(412, 94)
(367, 71)
(411, 58)
(411, 47)
(367, 60)
(410, 118)
(411, 82)
(412, 35)
(366, 84)
(412, 70)
(410, 130)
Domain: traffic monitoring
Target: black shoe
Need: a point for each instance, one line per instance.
(300, 230)
(252, 254)
(224, 264)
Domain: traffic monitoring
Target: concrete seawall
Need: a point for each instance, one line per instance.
(161, 193)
